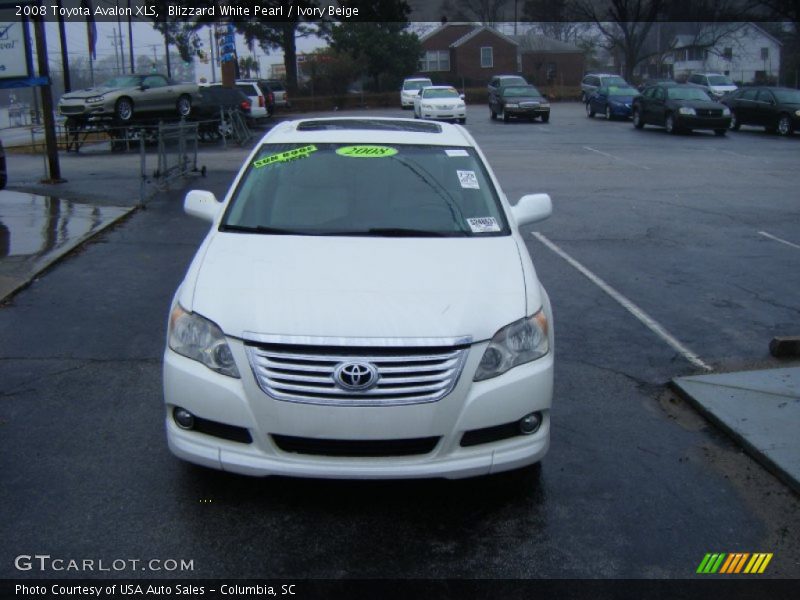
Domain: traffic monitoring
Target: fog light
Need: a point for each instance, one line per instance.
(530, 423)
(183, 418)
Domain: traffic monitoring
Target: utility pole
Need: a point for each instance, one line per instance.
(121, 43)
(54, 169)
(130, 38)
(211, 44)
(64, 54)
(116, 54)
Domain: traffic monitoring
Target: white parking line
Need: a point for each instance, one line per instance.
(777, 239)
(630, 162)
(637, 312)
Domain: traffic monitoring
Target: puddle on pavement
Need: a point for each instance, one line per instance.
(36, 230)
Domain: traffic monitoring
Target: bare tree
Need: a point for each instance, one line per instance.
(485, 12)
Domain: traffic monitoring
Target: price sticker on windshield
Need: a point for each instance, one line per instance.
(302, 152)
(468, 180)
(483, 224)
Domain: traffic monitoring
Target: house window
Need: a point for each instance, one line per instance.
(728, 53)
(487, 57)
(764, 53)
(551, 71)
(696, 54)
(435, 60)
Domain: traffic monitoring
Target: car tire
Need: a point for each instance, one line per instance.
(669, 124)
(123, 109)
(584, 99)
(784, 125)
(589, 110)
(505, 117)
(638, 122)
(184, 106)
(720, 132)
(546, 118)
(734, 122)
(462, 121)
(493, 114)
(609, 117)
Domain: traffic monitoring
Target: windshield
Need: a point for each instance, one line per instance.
(437, 93)
(719, 80)
(506, 81)
(621, 91)
(358, 190)
(121, 82)
(416, 85)
(787, 96)
(614, 81)
(687, 93)
(516, 91)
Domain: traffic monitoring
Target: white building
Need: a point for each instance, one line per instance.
(746, 53)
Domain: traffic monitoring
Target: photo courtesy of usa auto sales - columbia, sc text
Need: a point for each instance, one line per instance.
(135, 589)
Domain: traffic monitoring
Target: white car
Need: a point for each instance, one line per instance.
(410, 89)
(716, 84)
(363, 306)
(440, 102)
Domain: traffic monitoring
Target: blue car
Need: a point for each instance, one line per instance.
(612, 101)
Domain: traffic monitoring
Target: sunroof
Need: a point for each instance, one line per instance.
(371, 124)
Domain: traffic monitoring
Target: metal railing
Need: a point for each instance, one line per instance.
(177, 152)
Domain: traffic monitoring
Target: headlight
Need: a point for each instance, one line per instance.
(93, 99)
(726, 112)
(686, 110)
(512, 105)
(198, 338)
(515, 344)
(427, 106)
(797, 113)
(460, 105)
(544, 105)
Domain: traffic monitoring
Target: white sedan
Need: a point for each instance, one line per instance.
(440, 102)
(363, 306)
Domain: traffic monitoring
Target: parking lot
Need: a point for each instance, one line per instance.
(666, 255)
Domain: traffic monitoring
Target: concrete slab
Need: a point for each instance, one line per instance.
(36, 231)
(759, 409)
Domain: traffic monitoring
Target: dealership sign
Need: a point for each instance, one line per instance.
(13, 46)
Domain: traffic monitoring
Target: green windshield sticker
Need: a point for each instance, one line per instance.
(366, 151)
(302, 152)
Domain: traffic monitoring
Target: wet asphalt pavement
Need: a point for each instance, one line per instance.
(635, 484)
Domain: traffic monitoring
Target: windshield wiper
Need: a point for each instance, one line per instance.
(262, 229)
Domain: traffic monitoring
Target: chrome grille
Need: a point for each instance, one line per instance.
(708, 112)
(528, 104)
(405, 375)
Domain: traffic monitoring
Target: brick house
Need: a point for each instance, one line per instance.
(470, 55)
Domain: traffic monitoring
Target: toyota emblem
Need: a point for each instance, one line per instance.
(355, 376)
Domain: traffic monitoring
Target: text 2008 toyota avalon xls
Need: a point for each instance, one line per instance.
(363, 306)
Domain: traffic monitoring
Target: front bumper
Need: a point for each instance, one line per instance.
(470, 407)
(78, 110)
(694, 122)
(523, 111)
(444, 114)
(622, 111)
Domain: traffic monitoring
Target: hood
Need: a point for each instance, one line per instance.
(441, 101)
(87, 93)
(699, 104)
(723, 88)
(517, 99)
(360, 287)
(621, 99)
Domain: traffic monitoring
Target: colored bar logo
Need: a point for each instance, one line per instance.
(734, 563)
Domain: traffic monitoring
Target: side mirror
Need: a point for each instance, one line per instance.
(461, 96)
(201, 204)
(532, 208)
